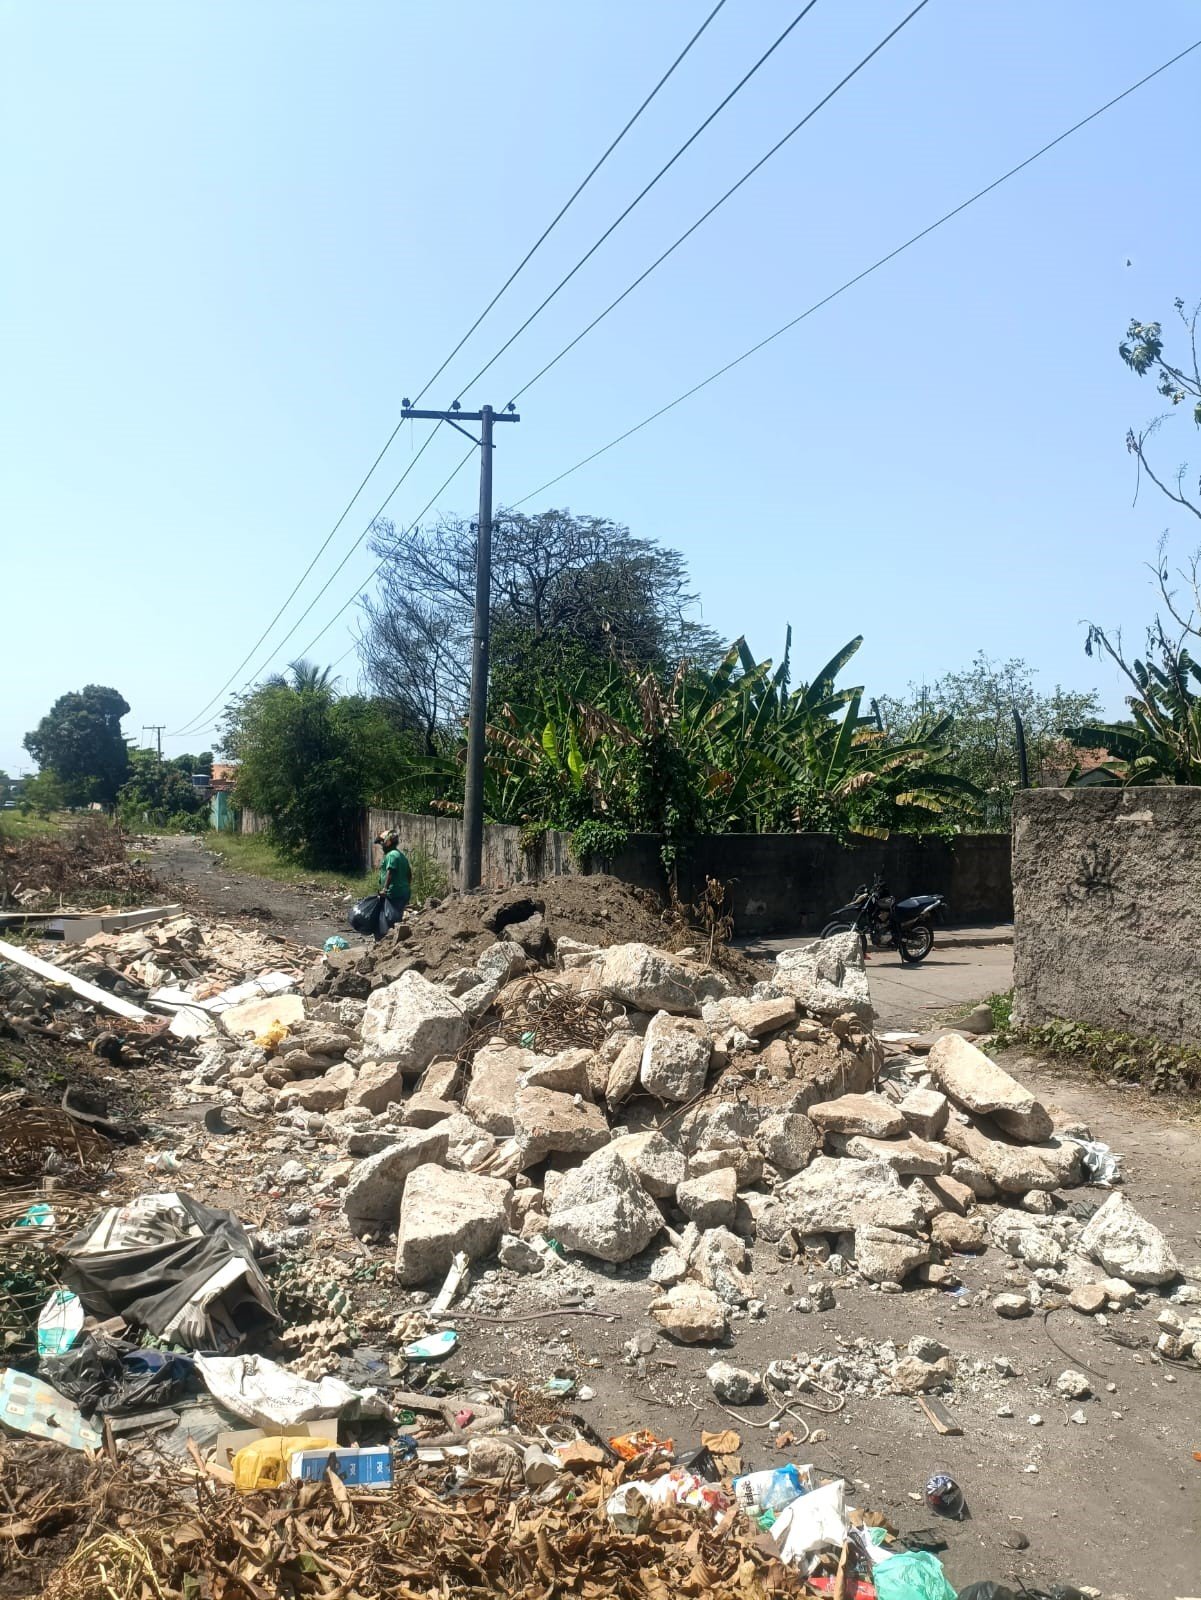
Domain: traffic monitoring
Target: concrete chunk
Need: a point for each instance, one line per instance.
(546, 1122)
(1127, 1245)
(411, 1022)
(373, 1192)
(675, 1058)
(977, 1084)
(833, 1196)
(445, 1212)
(869, 1114)
(602, 1210)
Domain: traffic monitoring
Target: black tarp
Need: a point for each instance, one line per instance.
(177, 1268)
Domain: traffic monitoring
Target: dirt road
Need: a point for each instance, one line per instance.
(201, 879)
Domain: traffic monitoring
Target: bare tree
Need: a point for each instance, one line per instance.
(585, 581)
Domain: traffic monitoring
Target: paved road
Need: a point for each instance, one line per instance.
(951, 976)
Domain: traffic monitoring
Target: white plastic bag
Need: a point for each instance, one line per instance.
(272, 1397)
(811, 1523)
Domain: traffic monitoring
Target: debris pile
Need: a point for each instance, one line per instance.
(88, 864)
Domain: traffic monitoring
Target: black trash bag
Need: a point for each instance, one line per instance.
(364, 913)
(176, 1267)
(987, 1591)
(112, 1378)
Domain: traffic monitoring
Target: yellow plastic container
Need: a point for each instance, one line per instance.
(264, 1464)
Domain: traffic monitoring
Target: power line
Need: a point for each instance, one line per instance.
(522, 264)
(809, 115)
(859, 277)
(642, 193)
(374, 573)
(687, 234)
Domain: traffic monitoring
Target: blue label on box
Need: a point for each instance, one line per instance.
(358, 1465)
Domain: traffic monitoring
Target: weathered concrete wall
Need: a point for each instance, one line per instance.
(783, 883)
(1107, 884)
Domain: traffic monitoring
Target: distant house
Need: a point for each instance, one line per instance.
(223, 815)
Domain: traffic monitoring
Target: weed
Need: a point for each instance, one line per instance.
(430, 878)
(254, 853)
(1156, 1064)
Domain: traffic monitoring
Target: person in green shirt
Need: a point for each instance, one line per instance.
(395, 883)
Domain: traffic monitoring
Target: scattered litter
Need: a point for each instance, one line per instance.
(268, 1395)
(265, 1463)
(433, 1346)
(945, 1496)
(30, 1406)
(60, 1323)
(1101, 1165)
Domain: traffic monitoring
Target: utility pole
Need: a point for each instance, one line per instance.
(156, 728)
(473, 789)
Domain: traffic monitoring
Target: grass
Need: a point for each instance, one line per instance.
(254, 853)
(16, 825)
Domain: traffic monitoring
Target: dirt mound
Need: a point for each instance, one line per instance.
(593, 910)
(85, 865)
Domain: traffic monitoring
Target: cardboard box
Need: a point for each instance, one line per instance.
(359, 1465)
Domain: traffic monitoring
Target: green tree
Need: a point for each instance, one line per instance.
(79, 739)
(157, 790)
(43, 793)
(309, 760)
(6, 785)
(1162, 742)
(982, 736)
(733, 749)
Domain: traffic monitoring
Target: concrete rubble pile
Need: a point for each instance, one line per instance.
(697, 1122)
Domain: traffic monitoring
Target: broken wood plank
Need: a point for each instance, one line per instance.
(68, 980)
(938, 1414)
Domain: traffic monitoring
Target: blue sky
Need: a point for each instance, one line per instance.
(239, 234)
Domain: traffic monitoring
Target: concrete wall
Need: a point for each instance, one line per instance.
(1107, 885)
(783, 883)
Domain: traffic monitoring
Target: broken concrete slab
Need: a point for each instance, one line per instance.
(709, 1200)
(547, 1122)
(755, 1018)
(1122, 1241)
(869, 1114)
(255, 1017)
(601, 1210)
(568, 1072)
(443, 1213)
(624, 1073)
(675, 1057)
(925, 1112)
(411, 1022)
(326, 1093)
(971, 1080)
(378, 1085)
(652, 980)
(887, 1255)
(789, 1140)
(373, 1191)
(911, 1157)
(834, 1196)
(492, 1091)
(657, 1164)
(827, 977)
(1014, 1168)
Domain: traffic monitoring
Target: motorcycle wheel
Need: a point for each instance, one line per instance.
(844, 927)
(916, 943)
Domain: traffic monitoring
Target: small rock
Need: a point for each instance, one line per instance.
(911, 1375)
(1038, 1201)
(1088, 1299)
(518, 1255)
(885, 1255)
(1078, 1416)
(927, 1349)
(494, 1458)
(1119, 1294)
(735, 1386)
(1034, 1420)
(691, 1314)
(789, 1140)
(1072, 1385)
(1012, 1305)
(1004, 1411)
(292, 1173)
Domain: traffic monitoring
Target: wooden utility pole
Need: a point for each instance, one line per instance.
(156, 728)
(473, 789)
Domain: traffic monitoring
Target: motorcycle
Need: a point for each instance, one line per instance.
(905, 926)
